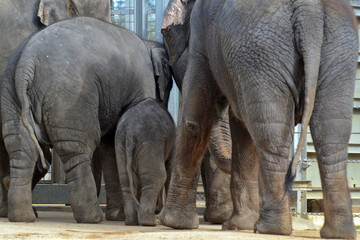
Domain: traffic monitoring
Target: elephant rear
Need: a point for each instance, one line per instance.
(144, 143)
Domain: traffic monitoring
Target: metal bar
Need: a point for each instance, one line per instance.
(57, 194)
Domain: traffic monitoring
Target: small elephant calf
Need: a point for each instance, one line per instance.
(144, 142)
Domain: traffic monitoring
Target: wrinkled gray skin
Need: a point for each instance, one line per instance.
(216, 185)
(216, 182)
(276, 62)
(18, 20)
(67, 87)
(144, 141)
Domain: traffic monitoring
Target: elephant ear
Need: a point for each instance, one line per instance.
(162, 73)
(99, 9)
(176, 28)
(71, 9)
(51, 11)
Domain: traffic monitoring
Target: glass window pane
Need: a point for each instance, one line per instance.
(123, 12)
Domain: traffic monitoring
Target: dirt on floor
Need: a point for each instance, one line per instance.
(61, 225)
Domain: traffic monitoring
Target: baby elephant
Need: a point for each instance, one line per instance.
(144, 141)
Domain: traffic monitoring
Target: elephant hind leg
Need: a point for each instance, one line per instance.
(270, 124)
(130, 205)
(152, 175)
(331, 128)
(76, 153)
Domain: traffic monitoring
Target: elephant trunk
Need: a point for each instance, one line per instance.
(220, 140)
(308, 19)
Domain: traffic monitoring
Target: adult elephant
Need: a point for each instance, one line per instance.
(93, 81)
(18, 20)
(275, 62)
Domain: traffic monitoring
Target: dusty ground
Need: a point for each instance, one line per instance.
(61, 225)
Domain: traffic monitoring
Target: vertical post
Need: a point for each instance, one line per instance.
(159, 8)
(139, 18)
(301, 200)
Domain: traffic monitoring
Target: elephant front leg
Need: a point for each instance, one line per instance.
(331, 135)
(244, 180)
(193, 132)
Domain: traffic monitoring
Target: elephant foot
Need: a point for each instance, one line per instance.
(93, 215)
(339, 230)
(241, 222)
(272, 222)
(132, 220)
(25, 216)
(114, 214)
(20, 203)
(179, 218)
(147, 219)
(217, 215)
(4, 209)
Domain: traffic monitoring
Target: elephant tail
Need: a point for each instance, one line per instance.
(129, 166)
(308, 19)
(220, 138)
(24, 77)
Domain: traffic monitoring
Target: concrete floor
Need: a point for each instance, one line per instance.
(61, 225)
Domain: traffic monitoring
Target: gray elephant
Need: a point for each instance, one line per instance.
(18, 20)
(144, 142)
(66, 87)
(104, 159)
(276, 63)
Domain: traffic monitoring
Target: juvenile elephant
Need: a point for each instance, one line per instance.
(18, 20)
(276, 63)
(67, 86)
(144, 141)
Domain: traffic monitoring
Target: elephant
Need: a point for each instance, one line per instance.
(216, 182)
(144, 141)
(277, 63)
(66, 87)
(19, 20)
(104, 159)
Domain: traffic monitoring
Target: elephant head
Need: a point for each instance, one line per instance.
(51, 11)
(176, 28)
(176, 32)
